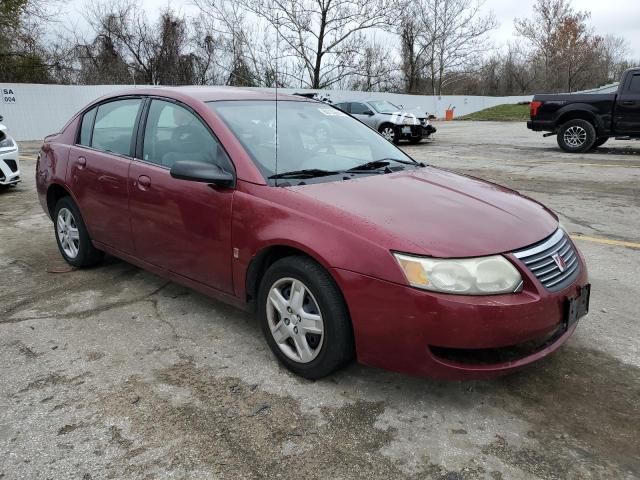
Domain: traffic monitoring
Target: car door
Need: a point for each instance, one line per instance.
(98, 170)
(363, 112)
(178, 225)
(627, 114)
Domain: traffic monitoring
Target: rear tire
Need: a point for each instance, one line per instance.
(576, 136)
(600, 141)
(72, 236)
(304, 318)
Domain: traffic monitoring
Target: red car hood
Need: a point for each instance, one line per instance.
(433, 212)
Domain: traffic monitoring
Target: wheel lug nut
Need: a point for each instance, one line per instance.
(286, 321)
(295, 329)
(289, 309)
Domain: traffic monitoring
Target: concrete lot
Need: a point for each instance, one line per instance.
(114, 373)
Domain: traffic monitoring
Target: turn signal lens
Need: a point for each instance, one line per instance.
(414, 272)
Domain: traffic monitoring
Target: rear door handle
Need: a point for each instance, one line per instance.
(628, 102)
(82, 162)
(144, 182)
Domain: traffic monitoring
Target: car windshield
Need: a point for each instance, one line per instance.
(382, 106)
(311, 136)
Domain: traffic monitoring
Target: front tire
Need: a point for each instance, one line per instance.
(388, 131)
(576, 136)
(304, 318)
(73, 239)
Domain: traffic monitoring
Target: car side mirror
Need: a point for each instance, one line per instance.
(201, 172)
(368, 112)
(1, 118)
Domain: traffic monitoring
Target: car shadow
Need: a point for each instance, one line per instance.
(578, 406)
(615, 151)
(578, 401)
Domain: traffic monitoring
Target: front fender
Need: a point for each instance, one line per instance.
(264, 217)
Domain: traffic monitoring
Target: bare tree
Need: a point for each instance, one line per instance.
(375, 71)
(322, 39)
(562, 44)
(246, 57)
(23, 54)
(155, 52)
(413, 46)
(615, 51)
(456, 33)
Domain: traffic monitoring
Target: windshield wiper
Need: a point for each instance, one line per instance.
(383, 162)
(306, 173)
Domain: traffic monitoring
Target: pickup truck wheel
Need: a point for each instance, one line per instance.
(576, 136)
(600, 141)
(304, 317)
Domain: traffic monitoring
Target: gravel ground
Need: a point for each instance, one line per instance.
(113, 372)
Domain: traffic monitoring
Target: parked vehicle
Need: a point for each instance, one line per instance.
(585, 121)
(9, 159)
(390, 120)
(341, 244)
(319, 96)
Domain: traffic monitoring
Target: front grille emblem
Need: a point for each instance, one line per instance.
(559, 262)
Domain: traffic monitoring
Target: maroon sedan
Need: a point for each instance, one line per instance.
(341, 243)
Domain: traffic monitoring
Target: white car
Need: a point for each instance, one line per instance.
(9, 159)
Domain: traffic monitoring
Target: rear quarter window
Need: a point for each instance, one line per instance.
(86, 127)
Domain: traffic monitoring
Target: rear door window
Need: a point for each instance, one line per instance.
(114, 126)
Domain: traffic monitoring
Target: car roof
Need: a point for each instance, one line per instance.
(368, 100)
(207, 93)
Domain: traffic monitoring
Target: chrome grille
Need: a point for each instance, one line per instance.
(539, 259)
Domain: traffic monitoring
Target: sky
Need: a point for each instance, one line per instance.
(618, 17)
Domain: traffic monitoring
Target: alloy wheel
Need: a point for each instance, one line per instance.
(388, 133)
(575, 136)
(68, 233)
(295, 320)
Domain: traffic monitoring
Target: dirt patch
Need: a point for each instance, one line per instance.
(585, 406)
(239, 431)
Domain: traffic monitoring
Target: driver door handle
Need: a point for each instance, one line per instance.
(143, 182)
(628, 102)
(82, 162)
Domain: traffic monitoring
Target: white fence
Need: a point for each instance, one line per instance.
(33, 111)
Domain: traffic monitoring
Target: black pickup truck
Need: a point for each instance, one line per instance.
(586, 121)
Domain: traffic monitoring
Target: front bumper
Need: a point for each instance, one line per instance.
(429, 130)
(412, 331)
(9, 166)
(409, 131)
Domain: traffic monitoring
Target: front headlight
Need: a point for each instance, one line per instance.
(7, 142)
(465, 276)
